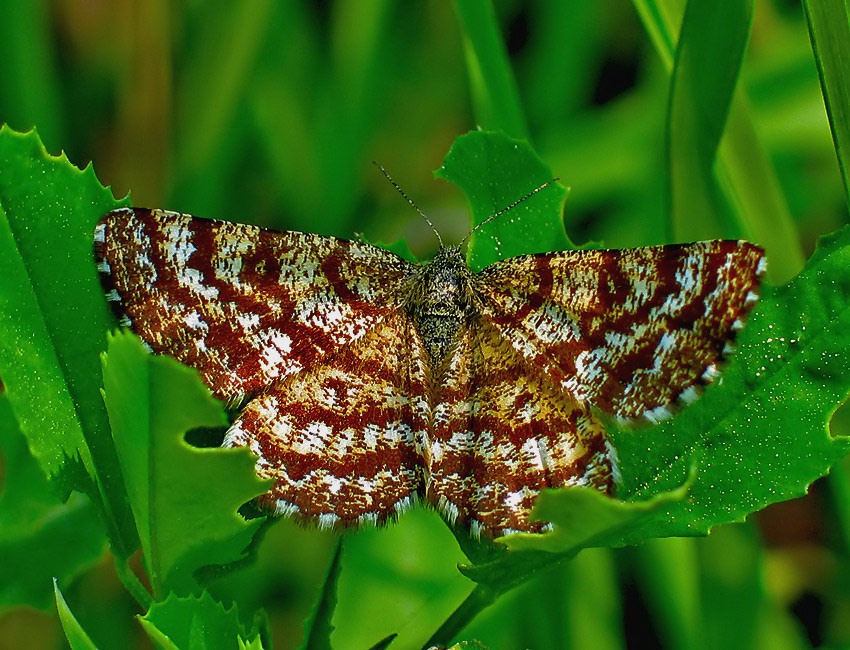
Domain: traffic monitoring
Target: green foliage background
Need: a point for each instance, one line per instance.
(272, 113)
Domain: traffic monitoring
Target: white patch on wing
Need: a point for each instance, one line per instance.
(513, 500)
(274, 358)
(710, 374)
(689, 395)
(248, 322)
(534, 452)
(194, 320)
(368, 519)
(658, 414)
(447, 507)
(285, 508)
(371, 435)
(314, 439)
(327, 520)
(552, 324)
(228, 270)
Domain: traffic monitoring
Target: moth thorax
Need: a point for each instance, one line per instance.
(440, 302)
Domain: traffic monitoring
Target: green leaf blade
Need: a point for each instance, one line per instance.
(40, 538)
(196, 623)
(761, 434)
(52, 322)
(758, 435)
(186, 514)
(32, 373)
(494, 171)
(77, 637)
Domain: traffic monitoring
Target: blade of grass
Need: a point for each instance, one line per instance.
(732, 595)
(661, 20)
(494, 93)
(746, 175)
(712, 41)
(669, 574)
(52, 323)
(283, 106)
(30, 93)
(749, 180)
(829, 31)
(558, 73)
(593, 604)
(145, 103)
(359, 67)
(318, 627)
(206, 110)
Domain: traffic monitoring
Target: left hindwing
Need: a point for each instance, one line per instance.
(629, 331)
(343, 440)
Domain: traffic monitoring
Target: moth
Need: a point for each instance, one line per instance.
(367, 382)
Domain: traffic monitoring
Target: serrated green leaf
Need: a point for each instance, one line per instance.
(739, 435)
(760, 434)
(40, 537)
(196, 623)
(494, 171)
(254, 644)
(184, 499)
(602, 518)
(318, 627)
(583, 517)
(76, 635)
(52, 321)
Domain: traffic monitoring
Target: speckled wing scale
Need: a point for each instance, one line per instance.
(366, 382)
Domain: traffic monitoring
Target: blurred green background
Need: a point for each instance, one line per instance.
(272, 113)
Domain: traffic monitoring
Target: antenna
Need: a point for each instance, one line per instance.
(510, 207)
(408, 199)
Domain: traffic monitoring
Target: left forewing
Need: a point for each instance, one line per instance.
(241, 304)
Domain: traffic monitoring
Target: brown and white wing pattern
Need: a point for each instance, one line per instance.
(349, 410)
(343, 441)
(243, 305)
(629, 331)
(501, 432)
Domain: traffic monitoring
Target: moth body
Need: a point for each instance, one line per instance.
(440, 302)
